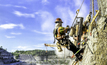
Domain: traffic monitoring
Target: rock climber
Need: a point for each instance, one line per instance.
(63, 39)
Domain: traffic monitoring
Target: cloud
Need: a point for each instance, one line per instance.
(65, 14)
(47, 21)
(20, 6)
(12, 50)
(11, 26)
(84, 9)
(48, 36)
(47, 25)
(21, 26)
(41, 32)
(78, 2)
(39, 46)
(37, 13)
(24, 14)
(67, 3)
(22, 47)
(15, 33)
(9, 36)
(45, 2)
(9, 5)
(32, 47)
(8, 26)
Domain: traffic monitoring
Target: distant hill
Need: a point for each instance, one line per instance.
(34, 52)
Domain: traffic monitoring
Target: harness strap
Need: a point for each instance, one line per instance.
(59, 36)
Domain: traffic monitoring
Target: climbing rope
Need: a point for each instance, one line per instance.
(78, 12)
(75, 62)
(76, 52)
(46, 49)
(90, 5)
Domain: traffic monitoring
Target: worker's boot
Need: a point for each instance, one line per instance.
(79, 57)
(59, 49)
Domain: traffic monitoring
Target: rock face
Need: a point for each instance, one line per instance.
(26, 58)
(6, 58)
(102, 4)
(98, 41)
(97, 44)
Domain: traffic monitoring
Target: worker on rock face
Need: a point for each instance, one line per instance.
(85, 26)
(58, 23)
(63, 39)
(88, 19)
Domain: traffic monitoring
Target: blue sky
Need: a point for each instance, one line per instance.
(28, 24)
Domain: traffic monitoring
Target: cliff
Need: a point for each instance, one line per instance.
(98, 41)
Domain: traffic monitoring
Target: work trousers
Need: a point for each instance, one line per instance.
(69, 45)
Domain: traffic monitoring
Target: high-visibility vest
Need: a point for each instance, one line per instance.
(60, 32)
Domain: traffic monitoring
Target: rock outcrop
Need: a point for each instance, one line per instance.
(98, 41)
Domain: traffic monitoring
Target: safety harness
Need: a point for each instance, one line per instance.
(60, 33)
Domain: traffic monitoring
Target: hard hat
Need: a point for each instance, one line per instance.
(58, 20)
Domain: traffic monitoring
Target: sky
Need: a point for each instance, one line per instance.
(28, 24)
